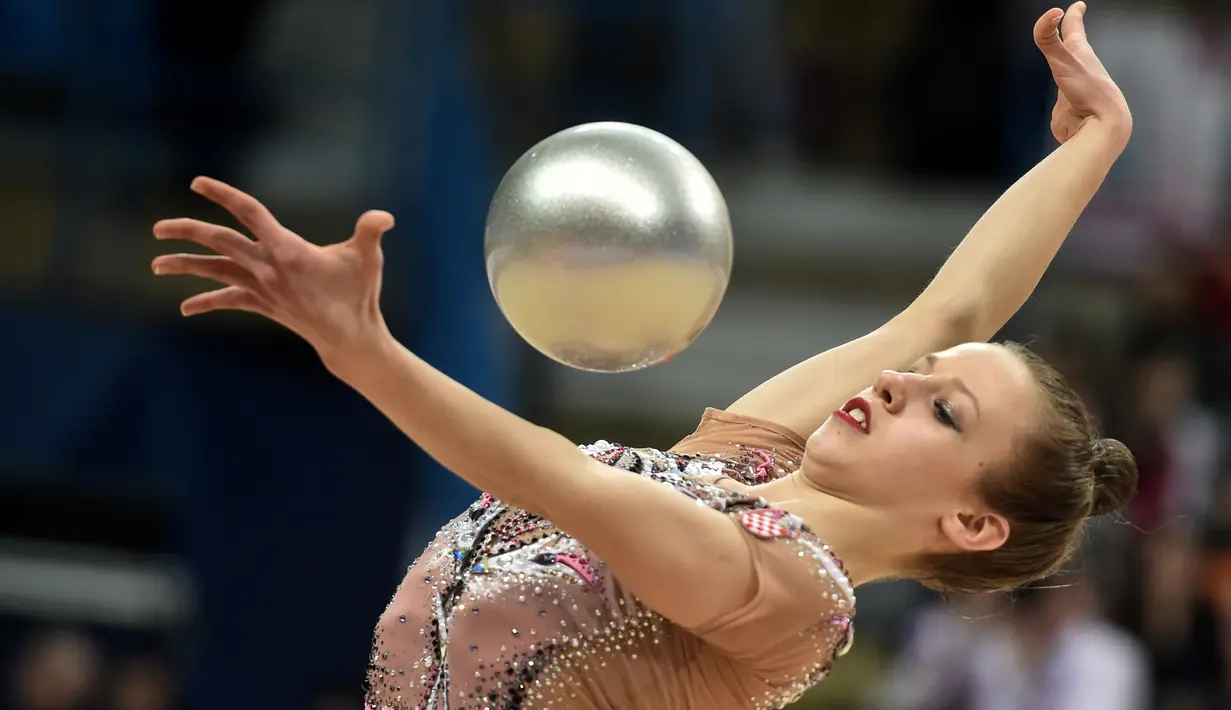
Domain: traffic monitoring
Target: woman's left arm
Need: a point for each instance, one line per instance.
(999, 263)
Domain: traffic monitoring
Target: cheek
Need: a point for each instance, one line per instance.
(908, 461)
(923, 462)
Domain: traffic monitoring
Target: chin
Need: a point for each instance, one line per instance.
(822, 455)
(833, 434)
(814, 450)
(825, 430)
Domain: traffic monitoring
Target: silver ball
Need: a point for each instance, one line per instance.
(608, 247)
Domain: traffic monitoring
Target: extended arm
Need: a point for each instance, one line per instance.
(997, 266)
(982, 284)
(650, 536)
(647, 533)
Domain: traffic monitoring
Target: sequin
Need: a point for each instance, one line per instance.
(543, 624)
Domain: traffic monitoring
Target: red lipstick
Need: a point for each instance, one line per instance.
(858, 413)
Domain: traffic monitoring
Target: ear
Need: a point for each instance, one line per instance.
(975, 532)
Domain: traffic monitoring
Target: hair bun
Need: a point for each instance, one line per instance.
(1115, 476)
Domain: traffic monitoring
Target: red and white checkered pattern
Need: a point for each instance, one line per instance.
(765, 523)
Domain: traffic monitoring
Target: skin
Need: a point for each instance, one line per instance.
(877, 503)
(913, 476)
(997, 266)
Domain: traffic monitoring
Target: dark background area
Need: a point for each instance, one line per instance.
(195, 515)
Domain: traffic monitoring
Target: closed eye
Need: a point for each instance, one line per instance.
(944, 410)
(944, 414)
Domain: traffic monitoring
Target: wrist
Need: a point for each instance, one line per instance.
(1114, 133)
(361, 356)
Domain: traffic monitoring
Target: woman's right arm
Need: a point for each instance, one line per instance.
(687, 562)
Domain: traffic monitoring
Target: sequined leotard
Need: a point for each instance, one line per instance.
(503, 610)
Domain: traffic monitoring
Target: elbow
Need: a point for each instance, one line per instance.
(950, 321)
(552, 475)
(963, 323)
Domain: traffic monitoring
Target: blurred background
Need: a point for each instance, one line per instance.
(198, 516)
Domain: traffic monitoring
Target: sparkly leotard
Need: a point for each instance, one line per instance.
(504, 610)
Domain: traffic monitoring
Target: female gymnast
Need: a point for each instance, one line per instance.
(708, 576)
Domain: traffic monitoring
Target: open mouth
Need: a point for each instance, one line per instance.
(857, 413)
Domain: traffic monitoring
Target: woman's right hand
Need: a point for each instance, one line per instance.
(1086, 91)
(329, 296)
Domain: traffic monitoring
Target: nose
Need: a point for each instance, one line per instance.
(891, 387)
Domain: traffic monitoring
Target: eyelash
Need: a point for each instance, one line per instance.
(944, 410)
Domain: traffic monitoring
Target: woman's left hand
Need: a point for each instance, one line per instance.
(329, 296)
(1086, 91)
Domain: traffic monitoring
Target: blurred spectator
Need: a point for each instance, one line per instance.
(57, 670)
(1212, 296)
(1177, 621)
(930, 671)
(1162, 312)
(1049, 650)
(143, 683)
(1216, 569)
(1176, 441)
(1173, 62)
(1078, 355)
(1169, 420)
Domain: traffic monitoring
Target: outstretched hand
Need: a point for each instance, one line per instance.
(1086, 90)
(329, 296)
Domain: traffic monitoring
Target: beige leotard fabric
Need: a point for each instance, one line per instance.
(504, 610)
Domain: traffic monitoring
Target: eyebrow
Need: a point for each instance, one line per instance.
(958, 384)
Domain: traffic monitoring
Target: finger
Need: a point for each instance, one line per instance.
(1074, 32)
(1074, 26)
(224, 240)
(371, 226)
(1047, 38)
(222, 269)
(246, 208)
(232, 298)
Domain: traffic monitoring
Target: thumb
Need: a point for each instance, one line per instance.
(370, 227)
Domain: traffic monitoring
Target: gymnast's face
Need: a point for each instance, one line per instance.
(924, 437)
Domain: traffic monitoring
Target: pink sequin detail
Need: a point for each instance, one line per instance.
(485, 501)
(578, 565)
(765, 468)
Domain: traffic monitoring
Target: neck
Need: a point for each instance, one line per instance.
(857, 535)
